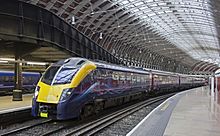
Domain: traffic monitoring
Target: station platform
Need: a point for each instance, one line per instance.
(190, 113)
(7, 105)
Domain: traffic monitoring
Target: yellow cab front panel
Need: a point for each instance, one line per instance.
(50, 94)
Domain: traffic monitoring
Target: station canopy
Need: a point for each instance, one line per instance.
(181, 32)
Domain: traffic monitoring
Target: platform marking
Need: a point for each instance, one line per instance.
(165, 106)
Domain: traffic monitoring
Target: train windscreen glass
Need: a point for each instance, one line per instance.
(65, 75)
(49, 74)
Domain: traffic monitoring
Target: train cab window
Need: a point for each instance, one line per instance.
(65, 75)
(49, 74)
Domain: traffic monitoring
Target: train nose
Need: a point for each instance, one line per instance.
(49, 94)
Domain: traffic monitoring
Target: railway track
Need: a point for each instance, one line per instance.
(20, 130)
(90, 126)
(96, 126)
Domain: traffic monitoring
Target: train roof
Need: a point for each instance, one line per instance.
(77, 61)
(119, 68)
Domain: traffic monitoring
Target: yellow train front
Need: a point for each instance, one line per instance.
(59, 88)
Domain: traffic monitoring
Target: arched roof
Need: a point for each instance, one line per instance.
(174, 35)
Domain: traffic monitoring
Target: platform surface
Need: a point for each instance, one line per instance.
(196, 114)
(6, 103)
(190, 113)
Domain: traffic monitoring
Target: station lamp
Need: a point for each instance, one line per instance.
(100, 36)
(73, 20)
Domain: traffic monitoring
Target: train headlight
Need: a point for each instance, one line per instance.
(37, 89)
(66, 94)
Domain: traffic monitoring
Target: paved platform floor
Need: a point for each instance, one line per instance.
(6, 103)
(196, 114)
(190, 113)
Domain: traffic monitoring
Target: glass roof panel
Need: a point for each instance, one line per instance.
(187, 24)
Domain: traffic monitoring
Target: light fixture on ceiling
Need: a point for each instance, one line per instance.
(36, 63)
(73, 20)
(100, 36)
(7, 59)
(3, 61)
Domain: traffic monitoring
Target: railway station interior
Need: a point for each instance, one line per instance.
(110, 67)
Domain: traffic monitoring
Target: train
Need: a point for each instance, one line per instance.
(78, 87)
(29, 81)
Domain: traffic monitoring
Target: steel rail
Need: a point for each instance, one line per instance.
(98, 125)
(18, 130)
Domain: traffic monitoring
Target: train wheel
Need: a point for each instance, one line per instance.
(87, 111)
(99, 106)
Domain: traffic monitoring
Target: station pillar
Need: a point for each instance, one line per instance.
(212, 85)
(17, 92)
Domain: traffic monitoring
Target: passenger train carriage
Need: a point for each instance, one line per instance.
(29, 80)
(77, 87)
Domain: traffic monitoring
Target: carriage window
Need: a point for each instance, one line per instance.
(115, 75)
(122, 77)
(142, 79)
(134, 78)
(138, 78)
(10, 78)
(6, 78)
(129, 76)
